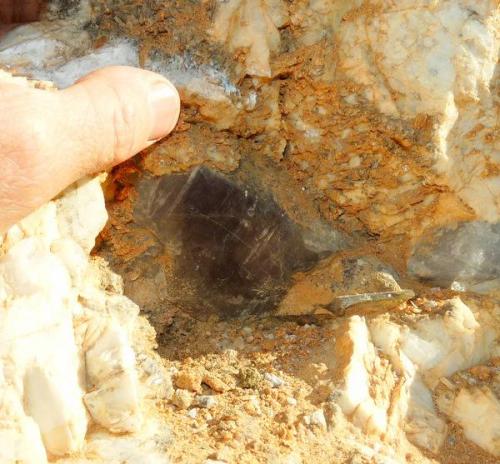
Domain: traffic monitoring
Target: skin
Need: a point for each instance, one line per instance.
(51, 139)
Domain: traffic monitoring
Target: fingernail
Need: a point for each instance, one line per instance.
(165, 103)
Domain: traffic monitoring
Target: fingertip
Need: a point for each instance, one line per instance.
(165, 105)
(163, 97)
(125, 108)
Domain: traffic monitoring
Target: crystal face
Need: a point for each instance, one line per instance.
(468, 253)
(235, 250)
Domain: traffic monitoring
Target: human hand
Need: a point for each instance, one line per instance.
(49, 139)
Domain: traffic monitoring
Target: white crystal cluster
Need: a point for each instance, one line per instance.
(436, 58)
(66, 331)
(251, 24)
(390, 370)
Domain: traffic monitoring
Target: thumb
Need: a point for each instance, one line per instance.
(51, 139)
(115, 113)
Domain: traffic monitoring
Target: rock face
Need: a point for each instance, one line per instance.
(336, 160)
(67, 334)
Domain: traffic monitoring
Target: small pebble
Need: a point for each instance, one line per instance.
(192, 413)
(206, 401)
(249, 377)
(253, 406)
(274, 380)
(318, 418)
(214, 383)
(291, 401)
(182, 399)
(165, 390)
(189, 381)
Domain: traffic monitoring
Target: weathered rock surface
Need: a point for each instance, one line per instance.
(372, 128)
(67, 336)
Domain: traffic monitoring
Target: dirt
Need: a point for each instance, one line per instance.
(253, 422)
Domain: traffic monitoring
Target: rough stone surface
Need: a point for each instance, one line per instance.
(373, 127)
(68, 337)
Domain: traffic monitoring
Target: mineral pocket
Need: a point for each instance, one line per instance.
(235, 249)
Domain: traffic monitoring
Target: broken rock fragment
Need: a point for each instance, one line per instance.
(345, 286)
